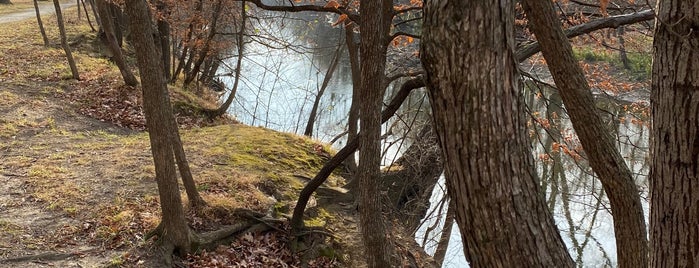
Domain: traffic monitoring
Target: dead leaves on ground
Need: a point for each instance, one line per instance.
(256, 250)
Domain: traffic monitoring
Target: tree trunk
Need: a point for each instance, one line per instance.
(216, 13)
(64, 42)
(87, 15)
(77, 3)
(164, 35)
(111, 41)
(158, 112)
(238, 65)
(444, 238)
(674, 169)
(94, 13)
(595, 136)
(375, 28)
(353, 116)
(467, 51)
(41, 24)
(326, 80)
(345, 152)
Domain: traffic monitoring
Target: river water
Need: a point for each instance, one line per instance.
(281, 78)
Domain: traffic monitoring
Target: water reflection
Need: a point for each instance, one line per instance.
(283, 67)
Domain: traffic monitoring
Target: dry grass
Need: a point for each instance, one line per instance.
(96, 181)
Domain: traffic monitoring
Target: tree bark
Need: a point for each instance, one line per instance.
(444, 238)
(164, 35)
(467, 50)
(353, 116)
(594, 135)
(87, 16)
(41, 24)
(64, 42)
(674, 169)
(108, 29)
(375, 29)
(158, 112)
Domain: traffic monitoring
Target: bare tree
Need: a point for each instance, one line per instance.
(326, 81)
(64, 42)
(41, 24)
(175, 233)
(110, 39)
(595, 137)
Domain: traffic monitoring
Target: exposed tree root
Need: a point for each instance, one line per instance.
(46, 256)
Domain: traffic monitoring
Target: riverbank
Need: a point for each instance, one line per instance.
(77, 181)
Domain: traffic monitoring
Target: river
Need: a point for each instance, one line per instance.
(280, 81)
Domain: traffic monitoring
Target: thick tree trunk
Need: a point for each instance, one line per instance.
(375, 28)
(467, 51)
(158, 112)
(64, 42)
(326, 81)
(594, 135)
(41, 24)
(111, 41)
(674, 169)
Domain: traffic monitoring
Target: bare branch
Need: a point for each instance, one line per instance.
(609, 22)
(301, 8)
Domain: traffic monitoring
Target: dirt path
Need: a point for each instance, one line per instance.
(45, 9)
(32, 234)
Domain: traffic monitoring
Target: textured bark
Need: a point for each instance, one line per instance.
(374, 29)
(41, 24)
(158, 114)
(353, 115)
(467, 51)
(64, 42)
(103, 8)
(445, 237)
(674, 170)
(594, 135)
(164, 35)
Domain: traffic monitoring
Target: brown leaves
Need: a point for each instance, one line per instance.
(255, 250)
(603, 5)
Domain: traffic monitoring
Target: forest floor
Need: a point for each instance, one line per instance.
(77, 184)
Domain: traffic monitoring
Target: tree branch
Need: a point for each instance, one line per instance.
(300, 8)
(610, 22)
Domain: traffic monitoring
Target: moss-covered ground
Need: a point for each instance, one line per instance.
(77, 184)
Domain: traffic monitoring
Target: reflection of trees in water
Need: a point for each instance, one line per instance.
(572, 190)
